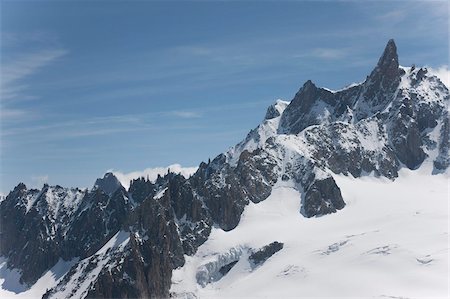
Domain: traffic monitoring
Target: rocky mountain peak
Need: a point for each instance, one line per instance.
(306, 92)
(108, 184)
(20, 186)
(387, 70)
(308, 85)
(389, 57)
(310, 105)
(380, 86)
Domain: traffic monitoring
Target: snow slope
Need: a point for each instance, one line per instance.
(10, 287)
(391, 241)
(78, 283)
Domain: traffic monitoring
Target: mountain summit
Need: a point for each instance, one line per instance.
(126, 243)
(389, 59)
(109, 183)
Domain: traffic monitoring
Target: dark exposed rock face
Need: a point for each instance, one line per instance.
(226, 190)
(98, 218)
(33, 227)
(225, 269)
(379, 88)
(108, 184)
(443, 160)
(193, 218)
(322, 197)
(258, 257)
(305, 108)
(340, 147)
(129, 241)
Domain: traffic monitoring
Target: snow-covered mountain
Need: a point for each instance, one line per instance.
(248, 222)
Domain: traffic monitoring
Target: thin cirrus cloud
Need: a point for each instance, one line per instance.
(185, 114)
(330, 53)
(75, 128)
(22, 66)
(397, 15)
(324, 53)
(7, 113)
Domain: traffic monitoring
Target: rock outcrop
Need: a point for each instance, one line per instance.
(258, 257)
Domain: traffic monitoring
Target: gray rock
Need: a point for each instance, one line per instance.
(108, 184)
(258, 257)
(322, 197)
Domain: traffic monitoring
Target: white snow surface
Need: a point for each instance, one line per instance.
(10, 287)
(390, 241)
(78, 284)
(258, 137)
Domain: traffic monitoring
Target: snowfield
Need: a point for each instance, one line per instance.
(390, 241)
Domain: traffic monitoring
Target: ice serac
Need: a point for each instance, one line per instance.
(127, 242)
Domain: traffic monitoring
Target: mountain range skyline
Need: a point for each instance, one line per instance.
(352, 179)
(91, 88)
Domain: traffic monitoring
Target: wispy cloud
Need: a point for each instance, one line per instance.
(22, 66)
(81, 127)
(394, 15)
(330, 53)
(185, 114)
(411, 19)
(35, 37)
(8, 114)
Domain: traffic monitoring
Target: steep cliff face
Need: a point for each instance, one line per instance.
(127, 242)
(34, 224)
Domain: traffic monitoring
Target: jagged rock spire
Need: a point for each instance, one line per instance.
(379, 88)
(389, 58)
(387, 72)
(109, 183)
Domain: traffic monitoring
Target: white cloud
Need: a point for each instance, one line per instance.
(152, 173)
(443, 73)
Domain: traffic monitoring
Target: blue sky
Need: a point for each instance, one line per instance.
(92, 86)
